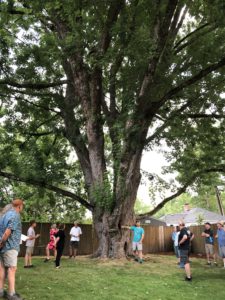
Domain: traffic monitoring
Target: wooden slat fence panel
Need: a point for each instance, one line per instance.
(157, 239)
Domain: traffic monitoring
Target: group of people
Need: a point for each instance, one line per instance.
(56, 243)
(182, 238)
(11, 233)
(11, 238)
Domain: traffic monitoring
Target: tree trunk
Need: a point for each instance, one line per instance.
(114, 241)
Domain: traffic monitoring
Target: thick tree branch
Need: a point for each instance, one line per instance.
(181, 190)
(176, 113)
(30, 85)
(38, 134)
(113, 13)
(199, 116)
(203, 73)
(190, 34)
(47, 186)
(192, 40)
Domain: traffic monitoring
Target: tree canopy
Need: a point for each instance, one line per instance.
(106, 80)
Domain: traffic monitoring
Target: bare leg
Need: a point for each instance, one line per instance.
(2, 276)
(187, 270)
(11, 280)
(140, 254)
(208, 257)
(29, 260)
(75, 252)
(47, 253)
(71, 251)
(26, 260)
(55, 253)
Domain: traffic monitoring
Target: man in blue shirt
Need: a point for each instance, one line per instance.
(10, 235)
(221, 240)
(137, 240)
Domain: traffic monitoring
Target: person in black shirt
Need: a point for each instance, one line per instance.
(209, 243)
(184, 245)
(59, 242)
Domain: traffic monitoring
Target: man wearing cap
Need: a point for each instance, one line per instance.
(10, 235)
(209, 243)
(221, 240)
(184, 245)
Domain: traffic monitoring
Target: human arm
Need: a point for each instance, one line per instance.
(192, 237)
(5, 237)
(31, 234)
(125, 227)
(56, 240)
(142, 238)
(184, 238)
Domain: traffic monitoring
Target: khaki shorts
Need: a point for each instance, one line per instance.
(29, 250)
(9, 258)
(137, 246)
(222, 251)
(209, 249)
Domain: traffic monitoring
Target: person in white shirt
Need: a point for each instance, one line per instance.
(30, 244)
(75, 234)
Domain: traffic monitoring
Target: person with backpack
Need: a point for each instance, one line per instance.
(184, 246)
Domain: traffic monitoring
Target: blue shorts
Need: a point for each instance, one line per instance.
(184, 256)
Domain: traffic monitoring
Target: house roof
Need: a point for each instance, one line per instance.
(151, 220)
(192, 216)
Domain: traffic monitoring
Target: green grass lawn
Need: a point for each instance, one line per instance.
(89, 279)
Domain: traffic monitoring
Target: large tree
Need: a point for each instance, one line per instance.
(107, 78)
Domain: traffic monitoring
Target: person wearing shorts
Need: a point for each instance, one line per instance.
(30, 244)
(221, 240)
(10, 235)
(209, 243)
(75, 234)
(51, 244)
(137, 243)
(184, 246)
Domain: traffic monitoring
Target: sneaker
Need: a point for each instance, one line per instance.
(141, 261)
(26, 266)
(14, 297)
(47, 260)
(215, 263)
(57, 267)
(209, 263)
(188, 278)
(3, 294)
(31, 266)
(136, 259)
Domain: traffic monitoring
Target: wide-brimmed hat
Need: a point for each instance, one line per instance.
(221, 223)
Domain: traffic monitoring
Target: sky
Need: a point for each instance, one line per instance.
(152, 162)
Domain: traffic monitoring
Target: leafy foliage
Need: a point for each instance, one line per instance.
(108, 79)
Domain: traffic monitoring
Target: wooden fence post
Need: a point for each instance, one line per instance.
(161, 239)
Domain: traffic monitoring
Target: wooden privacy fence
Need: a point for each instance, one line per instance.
(87, 241)
(157, 239)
